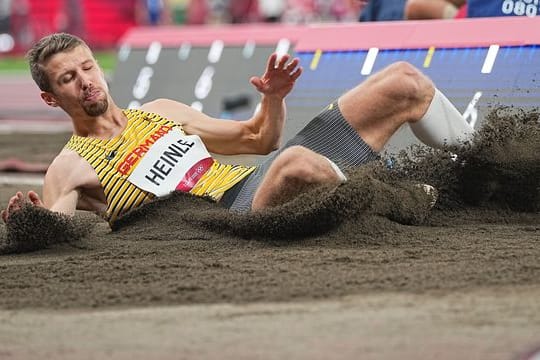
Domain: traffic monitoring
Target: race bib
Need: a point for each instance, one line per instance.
(174, 162)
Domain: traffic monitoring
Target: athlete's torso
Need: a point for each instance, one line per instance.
(141, 154)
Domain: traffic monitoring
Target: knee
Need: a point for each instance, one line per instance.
(407, 80)
(406, 84)
(297, 164)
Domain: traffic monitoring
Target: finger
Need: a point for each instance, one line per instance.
(11, 206)
(271, 65)
(15, 202)
(283, 60)
(4, 215)
(256, 81)
(296, 73)
(19, 200)
(292, 65)
(12, 201)
(34, 198)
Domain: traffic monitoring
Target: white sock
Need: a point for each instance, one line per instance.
(442, 124)
(339, 173)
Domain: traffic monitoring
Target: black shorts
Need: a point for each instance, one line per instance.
(328, 134)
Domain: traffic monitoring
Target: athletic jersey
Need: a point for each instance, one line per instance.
(116, 160)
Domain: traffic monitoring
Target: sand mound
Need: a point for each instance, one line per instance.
(500, 168)
(34, 228)
(310, 213)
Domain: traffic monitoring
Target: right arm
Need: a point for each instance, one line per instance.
(61, 187)
(59, 193)
(260, 134)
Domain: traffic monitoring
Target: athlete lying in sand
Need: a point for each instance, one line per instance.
(119, 159)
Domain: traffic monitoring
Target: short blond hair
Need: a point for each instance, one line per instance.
(45, 48)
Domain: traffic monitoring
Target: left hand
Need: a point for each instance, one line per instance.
(279, 77)
(17, 202)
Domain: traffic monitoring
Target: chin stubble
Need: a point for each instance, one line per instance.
(97, 108)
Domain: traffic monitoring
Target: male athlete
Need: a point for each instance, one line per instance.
(119, 159)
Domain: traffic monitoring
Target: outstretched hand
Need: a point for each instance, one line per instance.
(17, 202)
(279, 77)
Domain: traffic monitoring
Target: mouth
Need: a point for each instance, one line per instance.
(91, 95)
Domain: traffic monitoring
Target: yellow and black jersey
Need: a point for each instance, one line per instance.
(114, 159)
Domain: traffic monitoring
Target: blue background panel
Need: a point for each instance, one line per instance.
(457, 72)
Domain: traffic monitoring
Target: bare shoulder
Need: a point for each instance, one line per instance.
(173, 110)
(69, 169)
(66, 160)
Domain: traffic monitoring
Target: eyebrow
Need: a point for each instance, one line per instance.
(62, 74)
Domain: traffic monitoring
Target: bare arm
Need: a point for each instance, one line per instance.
(59, 193)
(60, 188)
(258, 135)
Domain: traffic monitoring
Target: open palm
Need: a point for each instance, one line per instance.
(279, 77)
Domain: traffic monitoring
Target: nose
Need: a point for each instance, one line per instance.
(86, 82)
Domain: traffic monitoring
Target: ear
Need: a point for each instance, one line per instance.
(49, 99)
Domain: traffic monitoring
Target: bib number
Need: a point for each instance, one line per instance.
(174, 162)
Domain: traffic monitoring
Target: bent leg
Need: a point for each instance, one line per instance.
(402, 94)
(328, 135)
(294, 171)
(382, 103)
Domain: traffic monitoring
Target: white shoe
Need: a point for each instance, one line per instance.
(431, 192)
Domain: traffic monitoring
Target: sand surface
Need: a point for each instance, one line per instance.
(185, 279)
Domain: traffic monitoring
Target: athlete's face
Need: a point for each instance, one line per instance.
(77, 82)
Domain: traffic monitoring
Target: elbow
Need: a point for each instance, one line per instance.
(265, 145)
(273, 146)
(267, 150)
(260, 142)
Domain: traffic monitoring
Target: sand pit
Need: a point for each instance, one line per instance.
(372, 238)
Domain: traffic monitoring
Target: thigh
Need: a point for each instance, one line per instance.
(328, 134)
(386, 100)
(331, 135)
(240, 196)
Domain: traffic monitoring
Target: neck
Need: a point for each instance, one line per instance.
(105, 126)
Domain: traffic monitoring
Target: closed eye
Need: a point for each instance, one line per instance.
(67, 79)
